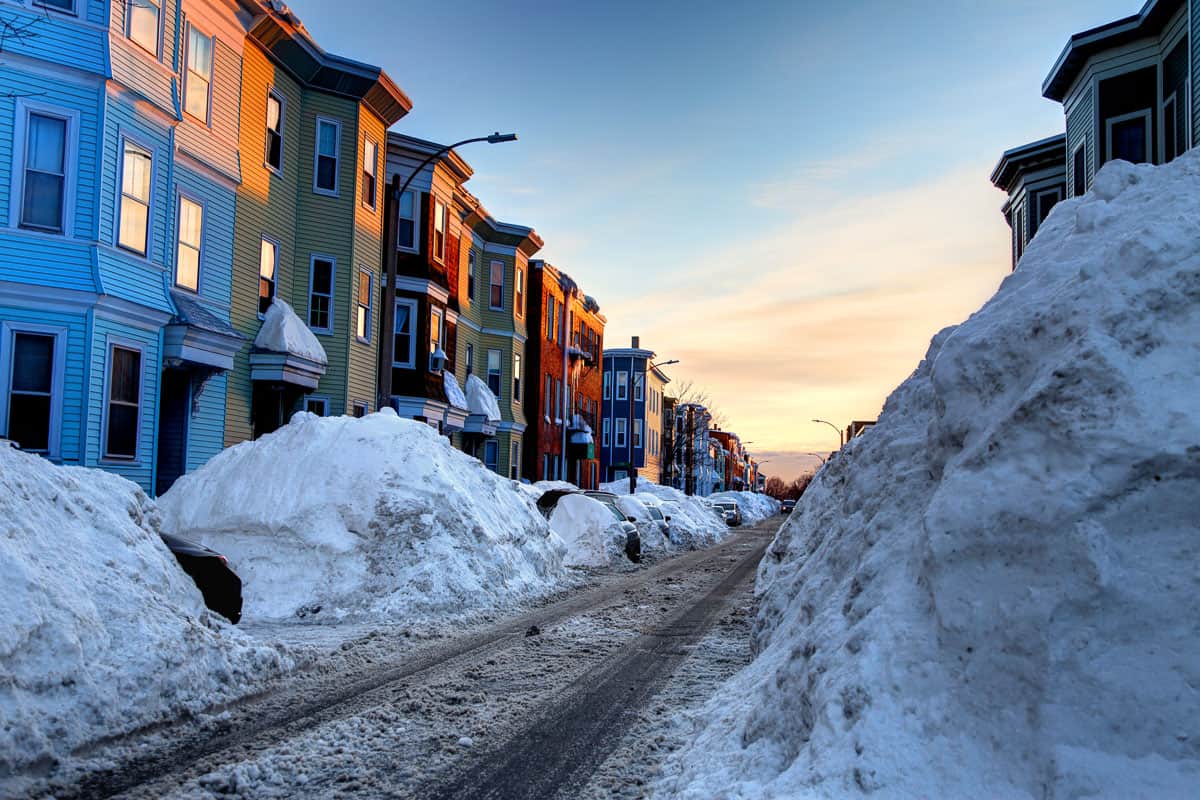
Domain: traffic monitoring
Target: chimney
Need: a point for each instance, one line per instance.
(637, 340)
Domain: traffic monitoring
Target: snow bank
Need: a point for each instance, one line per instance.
(994, 592)
(365, 518)
(454, 392)
(480, 399)
(593, 535)
(103, 632)
(283, 332)
(693, 522)
(755, 507)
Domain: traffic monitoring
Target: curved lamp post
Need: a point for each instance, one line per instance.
(836, 430)
(387, 321)
(645, 431)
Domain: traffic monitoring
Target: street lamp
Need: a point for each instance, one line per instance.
(632, 393)
(818, 455)
(387, 321)
(836, 430)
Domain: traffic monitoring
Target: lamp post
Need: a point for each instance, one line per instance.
(387, 317)
(836, 430)
(818, 455)
(632, 392)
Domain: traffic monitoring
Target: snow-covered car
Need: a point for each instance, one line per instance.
(633, 541)
(216, 580)
(548, 500)
(652, 528)
(729, 511)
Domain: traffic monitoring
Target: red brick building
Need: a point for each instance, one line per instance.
(735, 460)
(563, 354)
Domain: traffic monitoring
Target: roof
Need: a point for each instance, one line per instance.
(189, 311)
(1082, 46)
(425, 148)
(1044, 152)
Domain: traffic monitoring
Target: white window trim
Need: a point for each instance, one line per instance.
(363, 272)
(357, 404)
(110, 343)
(606, 433)
(514, 460)
(469, 367)
(434, 202)
(438, 314)
(337, 155)
(57, 379)
(607, 386)
(75, 10)
(492, 263)
(637, 434)
(313, 258)
(499, 370)
(187, 74)
(620, 385)
(619, 430)
(279, 96)
(313, 398)
(373, 206)
(158, 45)
(411, 361)
(124, 139)
(1146, 114)
(1081, 146)
(22, 109)
(191, 198)
(639, 387)
(519, 292)
(416, 207)
(258, 272)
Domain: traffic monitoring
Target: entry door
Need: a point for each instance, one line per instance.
(174, 413)
(268, 409)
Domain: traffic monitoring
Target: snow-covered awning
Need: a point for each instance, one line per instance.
(581, 437)
(196, 336)
(454, 392)
(481, 401)
(285, 350)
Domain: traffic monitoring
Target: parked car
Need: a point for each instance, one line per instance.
(652, 528)
(730, 511)
(633, 542)
(220, 585)
(549, 500)
(786, 506)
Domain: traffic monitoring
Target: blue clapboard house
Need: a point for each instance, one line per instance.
(118, 146)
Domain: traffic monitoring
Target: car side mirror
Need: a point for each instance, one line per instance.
(668, 519)
(630, 519)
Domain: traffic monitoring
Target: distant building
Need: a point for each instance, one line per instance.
(697, 460)
(1034, 176)
(858, 428)
(631, 413)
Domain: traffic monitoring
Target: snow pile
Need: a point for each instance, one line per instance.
(649, 530)
(365, 518)
(283, 332)
(693, 522)
(480, 399)
(995, 593)
(592, 533)
(755, 507)
(454, 392)
(103, 631)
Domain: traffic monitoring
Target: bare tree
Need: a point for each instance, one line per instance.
(688, 392)
(14, 29)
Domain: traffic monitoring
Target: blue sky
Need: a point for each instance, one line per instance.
(790, 197)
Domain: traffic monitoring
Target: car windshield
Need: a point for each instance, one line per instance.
(611, 506)
(654, 512)
(727, 506)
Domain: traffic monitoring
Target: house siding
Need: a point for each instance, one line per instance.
(1081, 126)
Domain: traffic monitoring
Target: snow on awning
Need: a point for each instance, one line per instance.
(286, 351)
(481, 401)
(581, 437)
(454, 392)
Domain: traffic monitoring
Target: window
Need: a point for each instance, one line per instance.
(496, 300)
(187, 252)
(404, 343)
(134, 227)
(620, 437)
(604, 436)
(637, 433)
(124, 400)
(514, 466)
(196, 92)
(274, 154)
(317, 405)
(320, 294)
(607, 385)
(43, 198)
(370, 170)
(470, 358)
(516, 377)
(325, 164)
(268, 260)
(435, 334)
(493, 371)
(639, 387)
(1079, 178)
(472, 265)
(519, 293)
(439, 230)
(558, 400)
(67, 6)
(1044, 201)
(362, 320)
(360, 409)
(406, 222)
(622, 385)
(491, 455)
(143, 24)
(32, 415)
(1129, 137)
(1019, 232)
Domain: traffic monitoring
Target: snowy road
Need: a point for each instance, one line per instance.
(578, 708)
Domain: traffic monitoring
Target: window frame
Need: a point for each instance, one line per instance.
(188, 71)
(416, 221)
(441, 224)
(23, 109)
(411, 361)
(118, 216)
(278, 96)
(373, 205)
(72, 12)
(494, 446)
(1079, 169)
(516, 379)
(1146, 114)
(498, 391)
(472, 257)
(313, 258)
(519, 292)
(156, 53)
(492, 264)
(622, 386)
(619, 431)
(8, 331)
(317, 155)
(359, 405)
(514, 461)
(265, 239)
(323, 401)
(639, 387)
(181, 198)
(606, 433)
(438, 314)
(358, 305)
(607, 380)
(637, 434)
(112, 343)
(470, 358)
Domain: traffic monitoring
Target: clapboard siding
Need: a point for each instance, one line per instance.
(151, 76)
(216, 144)
(216, 252)
(1081, 123)
(73, 377)
(362, 378)
(206, 427)
(58, 38)
(107, 331)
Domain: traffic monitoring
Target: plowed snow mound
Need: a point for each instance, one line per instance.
(994, 592)
(376, 517)
(102, 631)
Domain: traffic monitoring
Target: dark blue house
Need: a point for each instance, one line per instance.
(631, 414)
